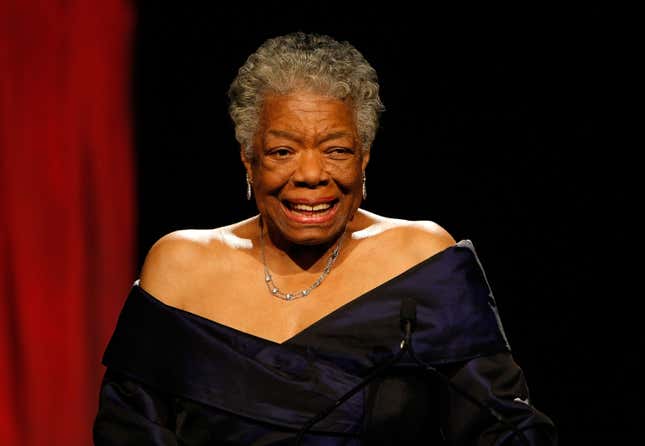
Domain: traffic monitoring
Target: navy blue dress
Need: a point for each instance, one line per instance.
(175, 378)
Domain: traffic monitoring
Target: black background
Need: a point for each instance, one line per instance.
(499, 125)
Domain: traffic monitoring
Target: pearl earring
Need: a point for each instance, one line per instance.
(248, 187)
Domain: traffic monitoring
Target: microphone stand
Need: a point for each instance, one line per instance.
(373, 374)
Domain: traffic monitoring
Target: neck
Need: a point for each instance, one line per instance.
(283, 254)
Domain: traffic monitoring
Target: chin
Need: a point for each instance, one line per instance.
(312, 236)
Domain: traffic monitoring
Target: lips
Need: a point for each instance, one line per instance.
(300, 207)
(310, 212)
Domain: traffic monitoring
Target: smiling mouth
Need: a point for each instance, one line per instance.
(307, 210)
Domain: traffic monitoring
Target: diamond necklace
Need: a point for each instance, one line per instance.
(273, 288)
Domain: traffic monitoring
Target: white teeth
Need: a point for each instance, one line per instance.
(307, 208)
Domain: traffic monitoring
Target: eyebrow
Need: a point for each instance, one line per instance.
(285, 134)
(335, 135)
(293, 137)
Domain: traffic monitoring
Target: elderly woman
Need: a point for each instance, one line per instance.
(285, 328)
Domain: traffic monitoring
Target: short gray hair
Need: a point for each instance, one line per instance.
(310, 61)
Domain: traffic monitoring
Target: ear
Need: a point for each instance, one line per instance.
(246, 161)
(365, 160)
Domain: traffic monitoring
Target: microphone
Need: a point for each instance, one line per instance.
(408, 318)
(408, 323)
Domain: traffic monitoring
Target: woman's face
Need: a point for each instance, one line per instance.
(308, 167)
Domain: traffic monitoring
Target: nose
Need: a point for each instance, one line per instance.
(310, 170)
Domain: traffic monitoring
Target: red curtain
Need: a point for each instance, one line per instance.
(67, 221)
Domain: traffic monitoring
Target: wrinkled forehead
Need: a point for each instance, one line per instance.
(306, 112)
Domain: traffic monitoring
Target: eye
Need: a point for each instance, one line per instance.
(280, 152)
(339, 152)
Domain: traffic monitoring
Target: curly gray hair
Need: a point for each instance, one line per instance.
(310, 61)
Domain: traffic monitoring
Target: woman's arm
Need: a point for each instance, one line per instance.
(131, 413)
(498, 382)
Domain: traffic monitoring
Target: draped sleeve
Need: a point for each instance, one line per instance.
(130, 413)
(459, 333)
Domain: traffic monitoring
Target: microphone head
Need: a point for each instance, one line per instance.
(409, 312)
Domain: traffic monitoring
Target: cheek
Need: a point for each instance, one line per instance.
(270, 178)
(349, 176)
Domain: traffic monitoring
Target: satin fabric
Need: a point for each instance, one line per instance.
(175, 378)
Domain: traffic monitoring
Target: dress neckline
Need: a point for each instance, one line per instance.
(355, 301)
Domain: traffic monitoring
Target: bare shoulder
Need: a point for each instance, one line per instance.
(425, 238)
(170, 264)
(417, 239)
(178, 261)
